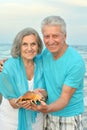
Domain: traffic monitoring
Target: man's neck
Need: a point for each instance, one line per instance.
(60, 52)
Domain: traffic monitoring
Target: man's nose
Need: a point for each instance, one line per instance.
(51, 41)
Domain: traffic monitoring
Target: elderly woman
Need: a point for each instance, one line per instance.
(21, 73)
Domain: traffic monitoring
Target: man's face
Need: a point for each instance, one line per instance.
(53, 38)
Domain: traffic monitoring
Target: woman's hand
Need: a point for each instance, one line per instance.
(23, 104)
(13, 103)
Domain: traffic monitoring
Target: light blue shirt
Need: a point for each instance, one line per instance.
(69, 69)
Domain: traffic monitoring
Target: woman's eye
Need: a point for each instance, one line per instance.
(33, 44)
(25, 44)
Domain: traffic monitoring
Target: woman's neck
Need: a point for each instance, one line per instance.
(28, 63)
(29, 67)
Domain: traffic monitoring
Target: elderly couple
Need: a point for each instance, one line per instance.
(59, 70)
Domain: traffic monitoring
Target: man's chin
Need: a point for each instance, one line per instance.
(52, 50)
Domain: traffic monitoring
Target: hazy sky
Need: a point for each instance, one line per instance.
(18, 14)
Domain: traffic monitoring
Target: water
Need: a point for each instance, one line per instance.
(5, 52)
(83, 51)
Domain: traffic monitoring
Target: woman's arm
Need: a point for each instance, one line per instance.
(0, 98)
(13, 103)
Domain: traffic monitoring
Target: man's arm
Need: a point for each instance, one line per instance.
(1, 63)
(64, 99)
(59, 104)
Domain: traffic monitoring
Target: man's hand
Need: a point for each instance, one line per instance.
(41, 92)
(43, 107)
(1, 63)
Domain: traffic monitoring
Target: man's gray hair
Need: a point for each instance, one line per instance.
(54, 20)
(15, 51)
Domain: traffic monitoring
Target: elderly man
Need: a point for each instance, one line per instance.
(64, 71)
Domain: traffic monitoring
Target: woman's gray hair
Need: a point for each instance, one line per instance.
(15, 51)
(54, 20)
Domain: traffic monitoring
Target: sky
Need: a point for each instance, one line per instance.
(16, 15)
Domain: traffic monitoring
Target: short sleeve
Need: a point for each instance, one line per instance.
(75, 75)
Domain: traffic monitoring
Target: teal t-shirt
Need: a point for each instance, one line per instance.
(69, 69)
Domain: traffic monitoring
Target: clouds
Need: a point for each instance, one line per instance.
(82, 3)
(18, 14)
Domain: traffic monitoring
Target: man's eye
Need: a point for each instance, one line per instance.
(46, 36)
(55, 36)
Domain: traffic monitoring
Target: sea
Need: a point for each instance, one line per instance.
(82, 49)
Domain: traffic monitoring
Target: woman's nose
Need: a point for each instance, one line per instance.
(29, 47)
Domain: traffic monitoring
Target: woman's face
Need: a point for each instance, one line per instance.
(29, 47)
